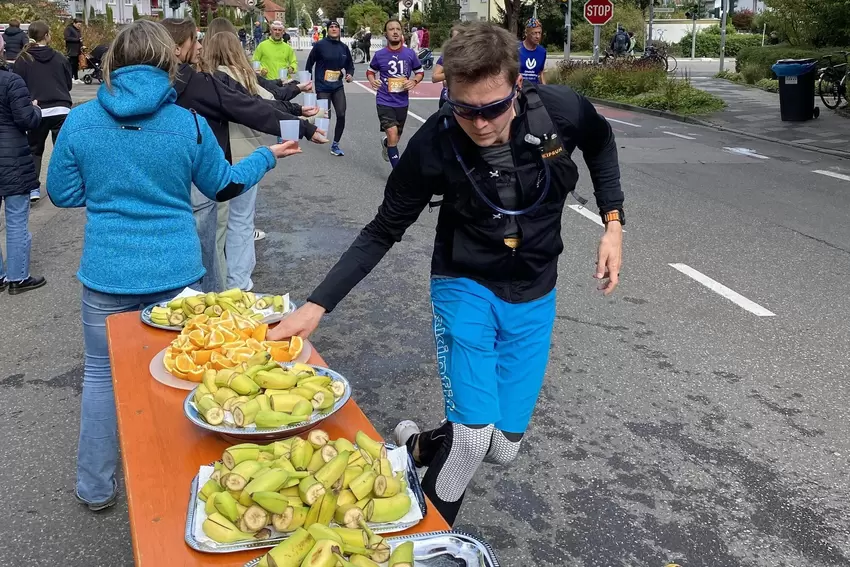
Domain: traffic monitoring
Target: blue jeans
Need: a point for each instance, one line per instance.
(18, 238)
(97, 453)
(205, 212)
(491, 354)
(241, 258)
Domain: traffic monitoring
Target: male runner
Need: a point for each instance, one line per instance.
(275, 54)
(333, 63)
(532, 55)
(500, 151)
(394, 64)
(438, 75)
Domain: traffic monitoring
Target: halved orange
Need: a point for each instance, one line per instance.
(215, 339)
(260, 332)
(201, 357)
(296, 345)
(184, 363)
(197, 338)
(195, 375)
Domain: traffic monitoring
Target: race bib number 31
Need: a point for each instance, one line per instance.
(332, 76)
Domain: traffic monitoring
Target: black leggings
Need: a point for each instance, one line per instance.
(338, 103)
(49, 126)
(75, 66)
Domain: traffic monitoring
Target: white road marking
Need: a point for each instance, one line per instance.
(374, 92)
(679, 135)
(832, 174)
(587, 213)
(745, 152)
(721, 289)
(622, 122)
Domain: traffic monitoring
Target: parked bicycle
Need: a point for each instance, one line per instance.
(661, 57)
(832, 81)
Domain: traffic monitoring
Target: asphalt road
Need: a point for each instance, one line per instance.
(679, 423)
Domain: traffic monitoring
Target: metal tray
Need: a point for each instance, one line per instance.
(441, 549)
(145, 315)
(412, 481)
(240, 434)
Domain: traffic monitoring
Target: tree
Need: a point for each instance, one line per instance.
(416, 18)
(810, 22)
(209, 17)
(91, 13)
(196, 13)
(440, 16)
(291, 14)
(109, 17)
(135, 12)
(365, 14)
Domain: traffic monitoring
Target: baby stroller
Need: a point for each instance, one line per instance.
(94, 61)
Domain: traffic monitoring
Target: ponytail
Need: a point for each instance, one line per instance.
(37, 32)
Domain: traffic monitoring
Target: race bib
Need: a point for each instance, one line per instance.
(332, 76)
(396, 84)
(512, 242)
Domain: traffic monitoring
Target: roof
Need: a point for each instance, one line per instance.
(270, 6)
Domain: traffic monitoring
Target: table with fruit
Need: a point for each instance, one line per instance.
(297, 476)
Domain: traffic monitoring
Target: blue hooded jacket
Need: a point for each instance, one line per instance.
(130, 157)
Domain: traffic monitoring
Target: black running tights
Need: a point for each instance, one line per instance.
(337, 101)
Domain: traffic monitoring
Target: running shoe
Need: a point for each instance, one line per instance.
(384, 150)
(335, 151)
(405, 434)
(35, 196)
(259, 234)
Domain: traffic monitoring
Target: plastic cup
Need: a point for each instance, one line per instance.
(283, 74)
(323, 124)
(309, 99)
(256, 65)
(303, 76)
(290, 130)
(323, 104)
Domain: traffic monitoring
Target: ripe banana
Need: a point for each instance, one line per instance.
(333, 470)
(273, 419)
(291, 551)
(209, 488)
(237, 454)
(320, 532)
(300, 454)
(293, 517)
(362, 485)
(220, 529)
(362, 561)
(225, 504)
(386, 486)
(310, 490)
(402, 555)
(327, 507)
(348, 515)
(318, 438)
(375, 449)
(381, 510)
(271, 481)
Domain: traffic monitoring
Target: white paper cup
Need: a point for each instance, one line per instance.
(323, 104)
(323, 124)
(303, 76)
(256, 65)
(309, 99)
(283, 74)
(290, 130)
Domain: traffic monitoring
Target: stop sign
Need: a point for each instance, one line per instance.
(599, 12)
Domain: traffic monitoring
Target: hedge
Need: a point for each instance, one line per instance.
(765, 57)
(708, 43)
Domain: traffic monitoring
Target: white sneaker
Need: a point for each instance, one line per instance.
(78, 82)
(259, 234)
(404, 431)
(385, 154)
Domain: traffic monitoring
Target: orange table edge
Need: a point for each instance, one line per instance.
(161, 450)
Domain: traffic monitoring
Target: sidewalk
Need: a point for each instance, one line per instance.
(756, 112)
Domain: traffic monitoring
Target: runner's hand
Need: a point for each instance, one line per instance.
(305, 87)
(285, 149)
(301, 323)
(409, 85)
(609, 258)
(319, 137)
(376, 83)
(309, 110)
(348, 78)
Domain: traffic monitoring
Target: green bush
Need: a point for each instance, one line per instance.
(769, 85)
(708, 42)
(765, 57)
(753, 73)
(730, 76)
(629, 17)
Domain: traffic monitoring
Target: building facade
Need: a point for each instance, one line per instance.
(122, 10)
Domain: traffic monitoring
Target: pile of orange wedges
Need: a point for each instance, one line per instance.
(222, 342)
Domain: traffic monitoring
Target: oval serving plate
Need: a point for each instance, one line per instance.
(145, 315)
(240, 434)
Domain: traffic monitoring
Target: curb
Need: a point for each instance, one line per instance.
(712, 125)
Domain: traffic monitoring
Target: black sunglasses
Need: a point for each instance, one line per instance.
(487, 112)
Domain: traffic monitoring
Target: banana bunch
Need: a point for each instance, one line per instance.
(178, 311)
(265, 394)
(302, 486)
(319, 546)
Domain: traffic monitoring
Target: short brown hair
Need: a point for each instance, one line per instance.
(220, 25)
(38, 30)
(141, 43)
(180, 30)
(480, 51)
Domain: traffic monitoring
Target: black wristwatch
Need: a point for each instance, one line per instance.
(615, 215)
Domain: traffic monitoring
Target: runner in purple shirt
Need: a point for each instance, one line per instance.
(394, 65)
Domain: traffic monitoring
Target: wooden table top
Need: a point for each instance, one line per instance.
(161, 450)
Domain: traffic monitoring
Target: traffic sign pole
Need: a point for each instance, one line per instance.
(597, 34)
(568, 27)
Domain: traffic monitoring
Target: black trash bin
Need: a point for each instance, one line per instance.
(796, 89)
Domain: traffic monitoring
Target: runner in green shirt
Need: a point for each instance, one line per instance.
(275, 54)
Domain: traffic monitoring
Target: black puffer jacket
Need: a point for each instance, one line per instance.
(17, 115)
(15, 39)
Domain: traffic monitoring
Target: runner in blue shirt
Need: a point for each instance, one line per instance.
(439, 74)
(390, 74)
(532, 55)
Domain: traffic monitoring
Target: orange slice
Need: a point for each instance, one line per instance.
(184, 363)
(177, 374)
(254, 345)
(280, 354)
(276, 344)
(241, 354)
(201, 319)
(220, 362)
(296, 345)
(215, 339)
(228, 334)
(232, 344)
(197, 338)
(195, 375)
(201, 357)
(260, 332)
(226, 316)
(168, 362)
(182, 344)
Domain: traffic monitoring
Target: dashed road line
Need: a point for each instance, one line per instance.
(622, 122)
(832, 174)
(746, 152)
(724, 291)
(679, 135)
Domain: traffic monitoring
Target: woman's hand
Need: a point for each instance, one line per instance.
(285, 149)
(305, 87)
(309, 110)
(319, 137)
(301, 323)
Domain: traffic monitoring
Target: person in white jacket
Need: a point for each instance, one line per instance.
(414, 40)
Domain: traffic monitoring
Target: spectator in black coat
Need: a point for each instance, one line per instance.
(48, 77)
(15, 39)
(74, 46)
(18, 113)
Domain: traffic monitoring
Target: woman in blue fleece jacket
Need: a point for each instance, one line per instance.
(129, 157)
